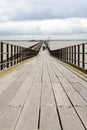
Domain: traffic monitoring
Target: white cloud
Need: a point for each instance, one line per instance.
(19, 17)
(55, 26)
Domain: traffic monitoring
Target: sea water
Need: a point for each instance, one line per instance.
(57, 44)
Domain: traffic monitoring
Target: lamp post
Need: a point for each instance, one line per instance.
(49, 41)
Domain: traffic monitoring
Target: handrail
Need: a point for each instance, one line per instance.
(12, 54)
(75, 55)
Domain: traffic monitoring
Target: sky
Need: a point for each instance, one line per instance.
(43, 17)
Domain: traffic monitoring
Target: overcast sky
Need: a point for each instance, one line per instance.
(43, 17)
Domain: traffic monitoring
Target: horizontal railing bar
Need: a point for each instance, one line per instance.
(75, 55)
(15, 54)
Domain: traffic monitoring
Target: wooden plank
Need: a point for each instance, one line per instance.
(75, 98)
(82, 112)
(49, 119)
(79, 87)
(81, 90)
(82, 82)
(53, 77)
(67, 86)
(45, 77)
(72, 77)
(6, 82)
(34, 96)
(77, 76)
(9, 78)
(29, 118)
(57, 72)
(27, 82)
(20, 97)
(9, 117)
(61, 98)
(30, 114)
(70, 120)
(21, 78)
(66, 73)
(63, 79)
(7, 95)
(5, 85)
(38, 77)
(47, 99)
(68, 77)
(46, 86)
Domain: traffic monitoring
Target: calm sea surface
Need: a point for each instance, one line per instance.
(64, 43)
(21, 43)
(56, 44)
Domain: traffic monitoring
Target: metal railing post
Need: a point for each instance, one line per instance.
(60, 54)
(75, 55)
(72, 54)
(17, 54)
(14, 54)
(11, 55)
(78, 55)
(67, 54)
(83, 56)
(2, 56)
(7, 53)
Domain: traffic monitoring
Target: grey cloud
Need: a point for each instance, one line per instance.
(31, 17)
(51, 27)
(16, 10)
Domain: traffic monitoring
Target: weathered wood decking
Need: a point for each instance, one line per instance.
(43, 94)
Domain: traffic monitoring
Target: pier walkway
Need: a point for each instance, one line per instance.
(43, 94)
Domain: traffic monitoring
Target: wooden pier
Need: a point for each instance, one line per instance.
(43, 94)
